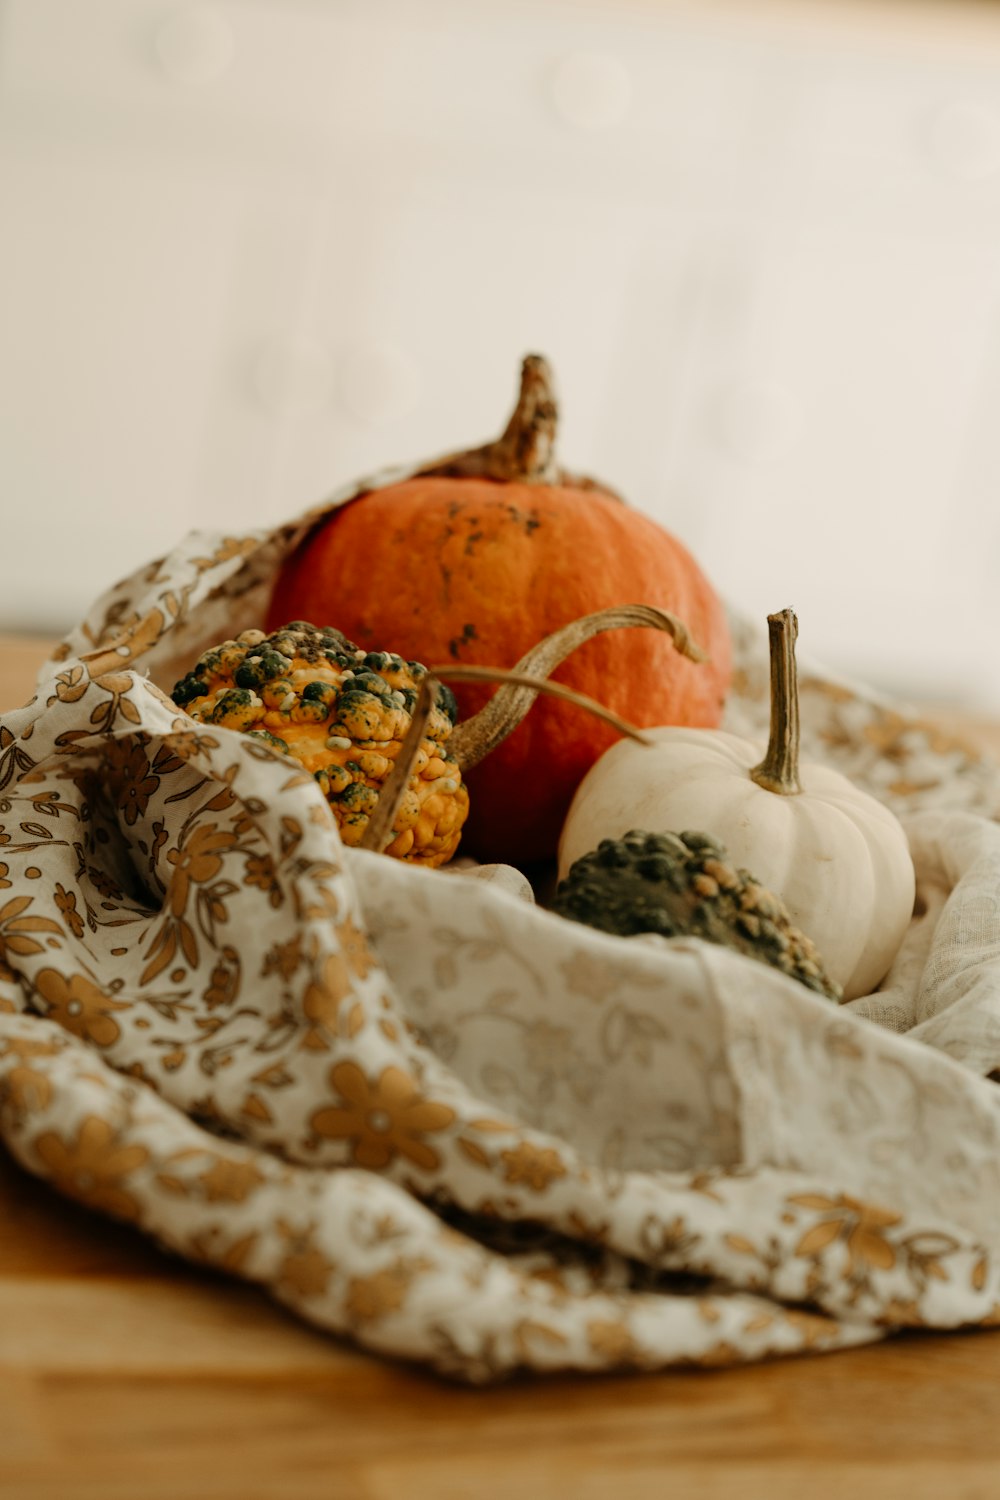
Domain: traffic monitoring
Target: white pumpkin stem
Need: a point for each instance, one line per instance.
(476, 737)
(379, 830)
(779, 770)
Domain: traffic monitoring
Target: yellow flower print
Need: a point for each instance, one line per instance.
(70, 685)
(230, 1181)
(354, 945)
(132, 780)
(384, 1119)
(228, 550)
(323, 999)
(22, 1089)
(813, 1328)
(588, 976)
(93, 1166)
(611, 1341)
(226, 978)
(66, 902)
(372, 1297)
(304, 1271)
(213, 1246)
(105, 883)
(546, 1046)
(284, 958)
(186, 744)
(900, 1312)
(720, 1356)
(80, 1006)
(197, 861)
(260, 872)
(534, 1166)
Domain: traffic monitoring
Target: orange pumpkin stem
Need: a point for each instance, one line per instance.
(779, 770)
(527, 450)
(525, 453)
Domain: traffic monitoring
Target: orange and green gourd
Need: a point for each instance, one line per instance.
(343, 714)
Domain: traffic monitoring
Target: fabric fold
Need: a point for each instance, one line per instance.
(437, 1119)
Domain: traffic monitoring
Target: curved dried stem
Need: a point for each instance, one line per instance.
(476, 737)
(380, 829)
(534, 686)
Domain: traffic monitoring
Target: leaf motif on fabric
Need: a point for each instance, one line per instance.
(473, 1151)
(14, 759)
(254, 1108)
(624, 1031)
(817, 1238)
(740, 1244)
(499, 1081)
(160, 952)
(531, 1332)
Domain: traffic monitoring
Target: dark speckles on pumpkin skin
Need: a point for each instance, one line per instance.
(529, 522)
(458, 641)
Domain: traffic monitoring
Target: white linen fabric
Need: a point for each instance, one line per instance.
(438, 1119)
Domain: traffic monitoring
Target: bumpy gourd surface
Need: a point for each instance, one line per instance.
(343, 714)
(685, 885)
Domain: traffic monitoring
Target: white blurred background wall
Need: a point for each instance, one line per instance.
(253, 248)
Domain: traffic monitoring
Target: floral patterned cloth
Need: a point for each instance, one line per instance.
(433, 1117)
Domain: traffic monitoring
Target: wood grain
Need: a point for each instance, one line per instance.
(125, 1372)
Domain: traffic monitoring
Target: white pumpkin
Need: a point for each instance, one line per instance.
(836, 857)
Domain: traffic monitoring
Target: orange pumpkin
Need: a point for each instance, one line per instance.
(478, 556)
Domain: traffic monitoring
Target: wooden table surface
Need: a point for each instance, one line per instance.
(125, 1373)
